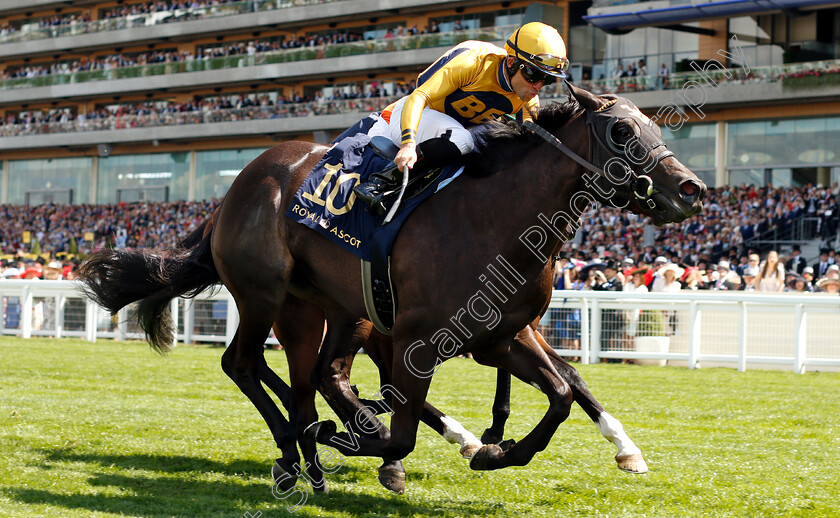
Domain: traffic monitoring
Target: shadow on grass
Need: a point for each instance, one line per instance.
(171, 491)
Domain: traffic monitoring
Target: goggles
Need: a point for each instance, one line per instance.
(535, 75)
(550, 63)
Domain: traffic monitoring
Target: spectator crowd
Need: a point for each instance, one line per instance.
(251, 106)
(709, 251)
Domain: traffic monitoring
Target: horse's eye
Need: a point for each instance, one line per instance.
(623, 131)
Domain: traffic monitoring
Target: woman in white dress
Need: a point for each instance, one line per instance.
(771, 275)
(637, 285)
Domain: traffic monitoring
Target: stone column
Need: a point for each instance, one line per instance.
(721, 153)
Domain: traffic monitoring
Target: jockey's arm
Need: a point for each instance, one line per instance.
(450, 76)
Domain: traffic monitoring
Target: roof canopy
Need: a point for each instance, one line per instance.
(629, 16)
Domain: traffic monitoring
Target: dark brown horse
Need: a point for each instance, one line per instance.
(482, 276)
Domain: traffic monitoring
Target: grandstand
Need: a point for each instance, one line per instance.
(105, 102)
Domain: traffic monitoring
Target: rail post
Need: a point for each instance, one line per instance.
(595, 331)
(742, 337)
(26, 312)
(799, 338)
(232, 321)
(173, 310)
(693, 335)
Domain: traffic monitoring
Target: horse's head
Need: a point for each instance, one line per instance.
(643, 175)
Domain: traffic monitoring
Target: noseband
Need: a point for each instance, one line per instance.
(605, 152)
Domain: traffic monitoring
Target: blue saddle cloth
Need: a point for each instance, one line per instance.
(326, 203)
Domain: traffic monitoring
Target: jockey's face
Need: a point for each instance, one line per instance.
(523, 89)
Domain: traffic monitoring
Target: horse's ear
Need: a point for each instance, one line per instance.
(588, 100)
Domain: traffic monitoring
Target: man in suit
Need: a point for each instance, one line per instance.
(796, 263)
(821, 266)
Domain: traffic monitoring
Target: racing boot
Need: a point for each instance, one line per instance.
(372, 191)
(431, 154)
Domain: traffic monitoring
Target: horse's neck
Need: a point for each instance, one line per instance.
(537, 193)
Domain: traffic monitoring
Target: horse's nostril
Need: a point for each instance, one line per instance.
(692, 191)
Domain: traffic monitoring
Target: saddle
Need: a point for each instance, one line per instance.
(417, 183)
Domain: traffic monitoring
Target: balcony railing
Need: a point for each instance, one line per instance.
(148, 19)
(792, 76)
(279, 111)
(423, 41)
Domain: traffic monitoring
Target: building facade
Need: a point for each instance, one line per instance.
(106, 101)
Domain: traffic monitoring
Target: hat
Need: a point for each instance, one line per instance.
(641, 271)
(808, 269)
(688, 271)
(629, 260)
(825, 281)
(33, 272)
(613, 265)
(833, 267)
(660, 259)
(723, 265)
(796, 248)
(671, 267)
(751, 271)
(11, 272)
(55, 265)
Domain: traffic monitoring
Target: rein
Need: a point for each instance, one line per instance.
(640, 185)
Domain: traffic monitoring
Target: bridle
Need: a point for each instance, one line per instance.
(605, 152)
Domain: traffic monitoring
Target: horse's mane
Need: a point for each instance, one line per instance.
(498, 138)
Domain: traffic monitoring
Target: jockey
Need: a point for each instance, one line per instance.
(470, 84)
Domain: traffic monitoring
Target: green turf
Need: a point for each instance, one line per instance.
(112, 429)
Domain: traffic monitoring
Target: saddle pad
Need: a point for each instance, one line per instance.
(327, 204)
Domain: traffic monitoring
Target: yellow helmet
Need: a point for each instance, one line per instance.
(541, 46)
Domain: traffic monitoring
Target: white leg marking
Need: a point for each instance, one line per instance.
(455, 433)
(613, 431)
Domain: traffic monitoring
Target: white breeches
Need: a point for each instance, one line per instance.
(433, 124)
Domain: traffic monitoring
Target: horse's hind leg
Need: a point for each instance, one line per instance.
(257, 277)
(629, 456)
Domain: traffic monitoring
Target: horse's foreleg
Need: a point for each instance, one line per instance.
(300, 329)
(526, 360)
(408, 393)
(332, 377)
(381, 352)
(501, 409)
(629, 456)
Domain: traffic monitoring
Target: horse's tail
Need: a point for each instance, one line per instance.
(116, 278)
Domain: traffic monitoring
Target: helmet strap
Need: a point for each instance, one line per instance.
(511, 70)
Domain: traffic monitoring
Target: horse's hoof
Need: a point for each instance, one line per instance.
(486, 457)
(321, 487)
(506, 445)
(490, 437)
(633, 463)
(392, 478)
(319, 431)
(469, 450)
(285, 477)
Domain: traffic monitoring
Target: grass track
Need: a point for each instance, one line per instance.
(111, 429)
